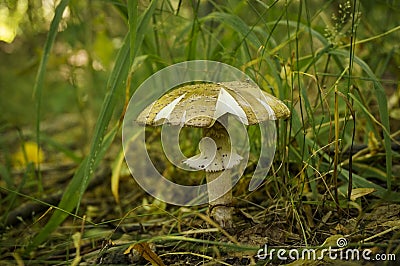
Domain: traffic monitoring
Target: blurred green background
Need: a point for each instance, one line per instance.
(92, 31)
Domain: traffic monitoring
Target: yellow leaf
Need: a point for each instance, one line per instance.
(29, 152)
(373, 143)
(77, 237)
(286, 74)
(116, 172)
(395, 113)
(360, 192)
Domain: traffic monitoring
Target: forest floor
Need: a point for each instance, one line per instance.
(140, 230)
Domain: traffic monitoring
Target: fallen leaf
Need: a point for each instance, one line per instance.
(77, 237)
(392, 224)
(250, 217)
(360, 192)
(373, 143)
(331, 241)
(146, 252)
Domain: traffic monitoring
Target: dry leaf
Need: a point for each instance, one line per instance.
(309, 215)
(77, 237)
(373, 143)
(360, 192)
(392, 224)
(146, 252)
(250, 217)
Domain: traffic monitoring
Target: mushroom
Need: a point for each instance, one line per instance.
(207, 106)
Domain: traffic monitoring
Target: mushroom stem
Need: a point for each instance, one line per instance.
(219, 192)
(220, 209)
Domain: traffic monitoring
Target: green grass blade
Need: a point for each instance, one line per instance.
(194, 33)
(367, 113)
(383, 111)
(74, 192)
(143, 26)
(61, 148)
(116, 82)
(38, 86)
(69, 199)
(34, 199)
(301, 29)
(237, 24)
(37, 89)
(132, 22)
(117, 78)
(120, 6)
(78, 184)
(361, 182)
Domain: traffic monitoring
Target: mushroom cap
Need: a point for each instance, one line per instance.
(200, 105)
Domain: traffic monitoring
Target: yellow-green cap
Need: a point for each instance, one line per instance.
(200, 105)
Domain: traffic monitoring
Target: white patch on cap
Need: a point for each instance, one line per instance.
(227, 104)
(167, 110)
(183, 118)
(269, 109)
